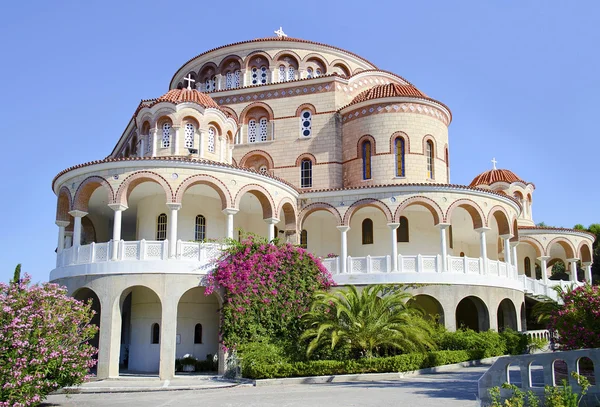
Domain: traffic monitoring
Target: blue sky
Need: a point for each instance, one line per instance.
(521, 79)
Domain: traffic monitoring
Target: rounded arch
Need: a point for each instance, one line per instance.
(252, 57)
(304, 156)
(515, 231)
(263, 196)
(63, 204)
(430, 306)
(318, 206)
(290, 53)
(232, 58)
(502, 219)
(472, 208)
(584, 251)
(138, 178)
(472, 313)
(205, 70)
(427, 138)
(87, 188)
(86, 294)
(255, 105)
(375, 203)
(261, 153)
(518, 195)
(393, 138)
(427, 203)
(555, 260)
(230, 112)
(204, 179)
(507, 315)
(305, 106)
(565, 244)
(361, 140)
(340, 65)
(289, 211)
(539, 249)
(190, 119)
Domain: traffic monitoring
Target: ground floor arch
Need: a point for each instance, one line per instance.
(472, 313)
(85, 294)
(506, 315)
(431, 307)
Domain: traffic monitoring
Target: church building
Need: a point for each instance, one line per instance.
(311, 144)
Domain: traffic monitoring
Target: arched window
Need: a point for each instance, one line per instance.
(210, 84)
(200, 228)
(366, 157)
(252, 131)
(161, 227)
(306, 123)
(211, 140)
(291, 73)
(189, 135)
(304, 239)
(259, 75)
(527, 267)
(306, 173)
(318, 72)
(400, 157)
(309, 73)
(198, 333)
(155, 333)
(429, 153)
(367, 231)
(281, 73)
(166, 137)
(402, 231)
(447, 165)
(262, 129)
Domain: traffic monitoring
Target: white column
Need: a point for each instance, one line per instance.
(174, 207)
(221, 148)
(176, 140)
(344, 249)
(544, 264)
(507, 251)
(168, 335)
(393, 228)
(515, 260)
(588, 272)
(200, 143)
(229, 212)
(271, 222)
(444, 244)
(483, 246)
(77, 226)
(153, 136)
(573, 263)
(62, 224)
(118, 208)
(68, 239)
(142, 149)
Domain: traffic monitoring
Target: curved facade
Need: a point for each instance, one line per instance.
(310, 144)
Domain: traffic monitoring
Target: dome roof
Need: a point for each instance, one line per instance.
(388, 90)
(492, 176)
(187, 95)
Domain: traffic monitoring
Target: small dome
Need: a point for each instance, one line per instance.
(188, 95)
(387, 91)
(492, 176)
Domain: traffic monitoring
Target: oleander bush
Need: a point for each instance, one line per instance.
(43, 341)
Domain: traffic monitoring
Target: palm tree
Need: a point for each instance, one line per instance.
(377, 317)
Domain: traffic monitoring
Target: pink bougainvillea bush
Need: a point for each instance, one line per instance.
(577, 321)
(43, 334)
(266, 289)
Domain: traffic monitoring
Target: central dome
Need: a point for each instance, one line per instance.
(188, 95)
(387, 91)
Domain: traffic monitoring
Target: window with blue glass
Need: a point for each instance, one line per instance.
(366, 157)
(400, 157)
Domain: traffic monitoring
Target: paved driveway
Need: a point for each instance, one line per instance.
(440, 390)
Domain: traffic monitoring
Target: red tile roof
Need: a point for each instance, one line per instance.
(388, 91)
(492, 176)
(187, 95)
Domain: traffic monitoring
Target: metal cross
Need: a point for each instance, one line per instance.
(494, 162)
(280, 33)
(189, 81)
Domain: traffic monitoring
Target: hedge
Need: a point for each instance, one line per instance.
(400, 363)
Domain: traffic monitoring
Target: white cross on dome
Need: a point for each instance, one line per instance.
(189, 81)
(280, 33)
(494, 162)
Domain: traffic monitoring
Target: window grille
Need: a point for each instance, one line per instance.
(309, 73)
(252, 131)
(281, 73)
(306, 173)
(306, 123)
(291, 73)
(166, 138)
(229, 80)
(209, 84)
(200, 228)
(263, 129)
(237, 79)
(161, 227)
(211, 140)
(189, 135)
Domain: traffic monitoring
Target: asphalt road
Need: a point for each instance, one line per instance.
(446, 389)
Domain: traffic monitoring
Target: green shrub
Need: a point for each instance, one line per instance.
(255, 369)
(516, 343)
(490, 343)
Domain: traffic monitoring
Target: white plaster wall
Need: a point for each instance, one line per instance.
(196, 308)
(526, 250)
(381, 234)
(465, 239)
(147, 213)
(423, 236)
(145, 311)
(194, 205)
(323, 237)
